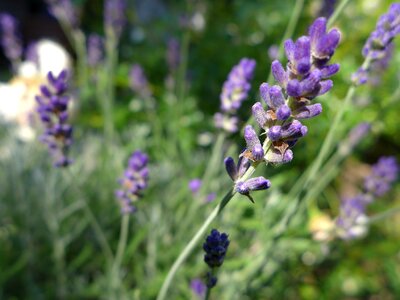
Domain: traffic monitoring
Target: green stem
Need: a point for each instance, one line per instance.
(192, 243)
(123, 238)
(105, 246)
(289, 29)
(337, 12)
(214, 162)
(384, 215)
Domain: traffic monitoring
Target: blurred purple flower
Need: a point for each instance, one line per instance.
(173, 54)
(134, 182)
(351, 223)
(235, 90)
(273, 52)
(327, 8)
(195, 185)
(114, 16)
(384, 173)
(65, 11)
(379, 42)
(53, 112)
(138, 81)
(10, 40)
(95, 48)
(198, 288)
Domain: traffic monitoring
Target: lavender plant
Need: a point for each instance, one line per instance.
(53, 112)
(134, 182)
(379, 44)
(138, 82)
(234, 92)
(10, 39)
(352, 221)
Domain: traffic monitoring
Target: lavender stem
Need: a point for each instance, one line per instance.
(294, 18)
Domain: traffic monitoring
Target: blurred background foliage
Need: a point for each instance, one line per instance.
(221, 32)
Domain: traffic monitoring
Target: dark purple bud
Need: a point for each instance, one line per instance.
(215, 246)
(242, 188)
(231, 168)
(279, 73)
(310, 83)
(316, 32)
(283, 113)
(308, 111)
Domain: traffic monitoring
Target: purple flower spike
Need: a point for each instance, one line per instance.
(114, 16)
(10, 40)
(215, 246)
(65, 11)
(52, 109)
(173, 54)
(351, 223)
(234, 91)
(380, 42)
(226, 122)
(134, 182)
(95, 49)
(384, 173)
(138, 82)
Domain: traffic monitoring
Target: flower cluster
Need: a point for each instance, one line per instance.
(95, 48)
(215, 246)
(234, 91)
(134, 181)
(138, 81)
(378, 45)
(10, 40)
(383, 174)
(352, 219)
(305, 78)
(114, 16)
(173, 54)
(64, 11)
(53, 112)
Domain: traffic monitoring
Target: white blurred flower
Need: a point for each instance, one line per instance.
(17, 97)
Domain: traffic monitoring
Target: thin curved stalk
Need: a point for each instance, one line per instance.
(337, 12)
(384, 215)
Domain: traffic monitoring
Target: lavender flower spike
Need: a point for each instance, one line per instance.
(235, 90)
(384, 173)
(215, 246)
(379, 42)
(304, 78)
(134, 181)
(64, 11)
(351, 223)
(138, 82)
(95, 49)
(53, 112)
(198, 288)
(10, 40)
(114, 16)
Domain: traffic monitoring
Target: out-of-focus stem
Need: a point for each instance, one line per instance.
(384, 215)
(294, 18)
(337, 12)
